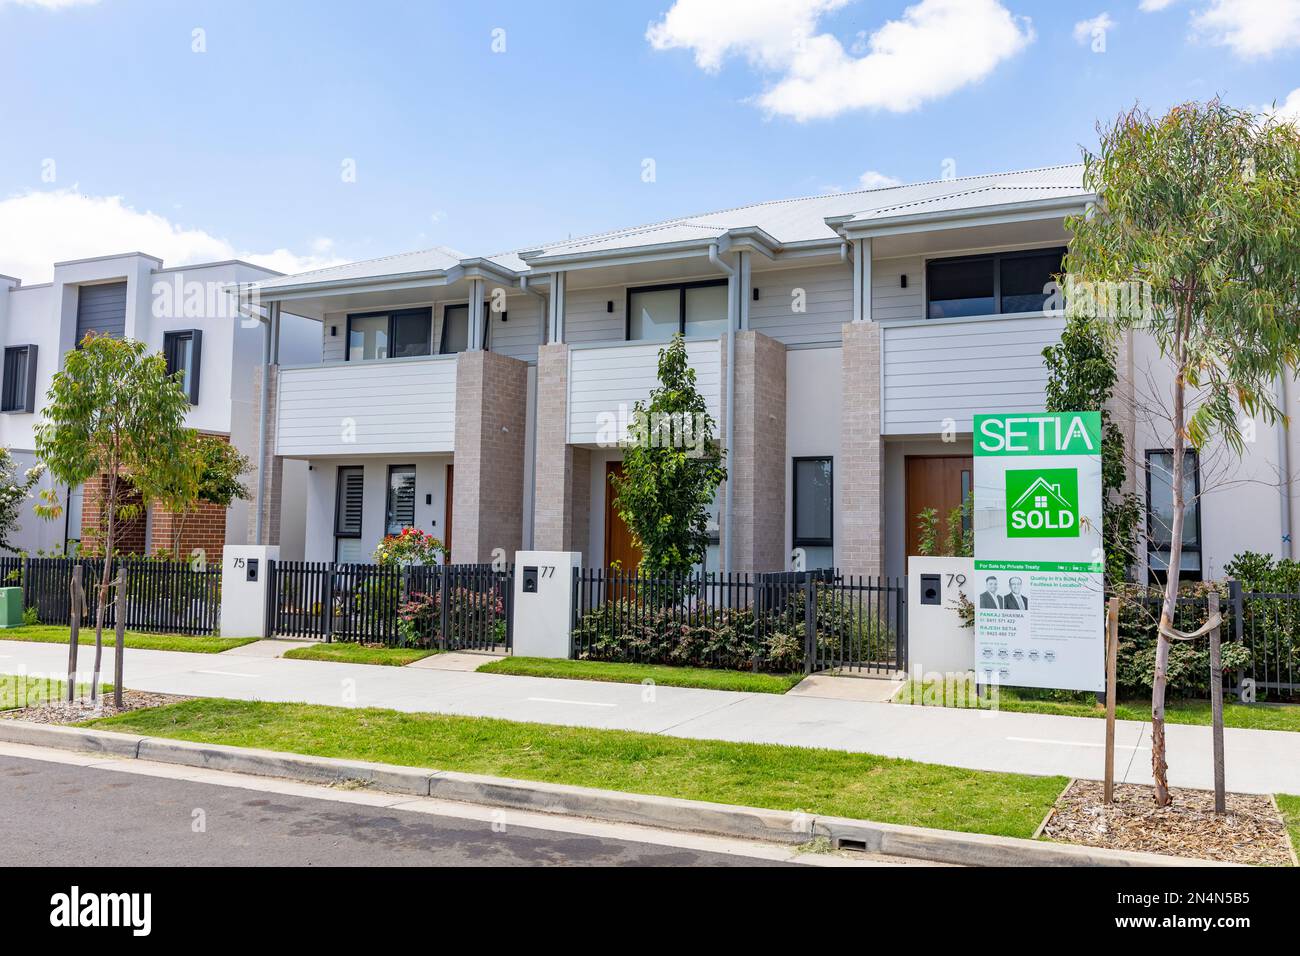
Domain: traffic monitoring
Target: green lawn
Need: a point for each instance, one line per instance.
(58, 634)
(28, 691)
(1290, 807)
(639, 673)
(359, 654)
(962, 694)
(786, 778)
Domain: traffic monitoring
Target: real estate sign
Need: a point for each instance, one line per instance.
(1040, 613)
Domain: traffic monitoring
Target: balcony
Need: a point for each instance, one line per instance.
(606, 382)
(395, 406)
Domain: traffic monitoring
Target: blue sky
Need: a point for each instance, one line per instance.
(110, 114)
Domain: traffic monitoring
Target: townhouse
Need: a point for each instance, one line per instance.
(190, 313)
(843, 343)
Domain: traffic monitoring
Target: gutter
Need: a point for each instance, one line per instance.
(730, 272)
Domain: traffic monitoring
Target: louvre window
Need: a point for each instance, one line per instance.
(400, 510)
(351, 497)
(18, 389)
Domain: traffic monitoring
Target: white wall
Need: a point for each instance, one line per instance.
(322, 482)
(813, 400)
(398, 406)
(610, 380)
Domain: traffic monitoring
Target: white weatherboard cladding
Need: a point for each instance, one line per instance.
(610, 381)
(360, 408)
(941, 370)
(827, 303)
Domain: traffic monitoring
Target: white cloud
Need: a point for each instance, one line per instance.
(934, 49)
(49, 4)
(1289, 108)
(1085, 30)
(1250, 28)
(874, 180)
(1153, 6)
(38, 229)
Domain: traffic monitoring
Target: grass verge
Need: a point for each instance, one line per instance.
(28, 691)
(1290, 807)
(660, 674)
(58, 634)
(762, 775)
(346, 653)
(961, 693)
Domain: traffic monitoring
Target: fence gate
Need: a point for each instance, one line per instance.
(854, 623)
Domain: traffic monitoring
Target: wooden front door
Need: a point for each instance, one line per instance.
(619, 545)
(939, 482)
(446, 514)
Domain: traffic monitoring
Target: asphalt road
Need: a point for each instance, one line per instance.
(62, 815)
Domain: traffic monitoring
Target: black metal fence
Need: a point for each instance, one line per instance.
(784, 622)
(1268, 626)
(161, 596)
(452, 607)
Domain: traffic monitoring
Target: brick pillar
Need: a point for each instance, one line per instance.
(860, 470)
(562, 489)
(128, 535)
(270, 504)
(757, 462)
(203, 527)
(491, 421)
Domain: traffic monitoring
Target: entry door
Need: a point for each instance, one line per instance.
(939, 482)
(619, 544)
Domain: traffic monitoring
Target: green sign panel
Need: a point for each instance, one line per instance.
(1044, 433)
(1042, 502)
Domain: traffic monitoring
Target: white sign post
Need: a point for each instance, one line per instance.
(1038, 589)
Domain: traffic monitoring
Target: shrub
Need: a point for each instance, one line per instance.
(419, 618)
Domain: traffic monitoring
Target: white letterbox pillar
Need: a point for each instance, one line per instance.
(544, 597)
(245, 588)
(937, 643)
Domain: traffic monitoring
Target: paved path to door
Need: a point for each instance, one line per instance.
(1257, 760)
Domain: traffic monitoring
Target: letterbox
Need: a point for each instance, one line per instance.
(931, 591)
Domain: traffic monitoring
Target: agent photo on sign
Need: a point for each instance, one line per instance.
(1015, 601)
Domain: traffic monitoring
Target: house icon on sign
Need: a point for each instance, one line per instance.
(1044, 494)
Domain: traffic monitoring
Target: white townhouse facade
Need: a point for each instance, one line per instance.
(854, 334)
(187, 312)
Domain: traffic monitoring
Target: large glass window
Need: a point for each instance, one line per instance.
(696, 309)
(1160, 515)
(380, 335)
(814, 495)
(181, 350)
(1001, 284)
(455, 328)
(400, 510)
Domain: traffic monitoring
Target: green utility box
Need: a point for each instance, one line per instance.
(11, 607)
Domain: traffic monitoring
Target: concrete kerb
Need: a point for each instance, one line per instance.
(774, 826)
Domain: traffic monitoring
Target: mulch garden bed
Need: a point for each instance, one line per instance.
(64, 712)
(1252, 831)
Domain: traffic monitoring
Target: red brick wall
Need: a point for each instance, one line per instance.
(205, 528)
(128, 536)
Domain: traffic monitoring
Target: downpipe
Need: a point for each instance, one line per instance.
(730, 273)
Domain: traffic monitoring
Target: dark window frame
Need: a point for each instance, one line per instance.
(192, 374)
(388, 495)
(11, 402)
(338, 501)
(996, 258)
(795, 540)
(663, 287)
(487, 324)
(426, 311)
(1199, 547)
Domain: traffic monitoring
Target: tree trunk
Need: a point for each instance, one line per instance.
(1159, 765)
(110, 505)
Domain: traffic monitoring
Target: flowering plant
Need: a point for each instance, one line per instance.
(409, 546)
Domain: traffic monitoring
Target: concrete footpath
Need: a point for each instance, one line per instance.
(1258, 761)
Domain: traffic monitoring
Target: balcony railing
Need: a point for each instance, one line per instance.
(400, 406)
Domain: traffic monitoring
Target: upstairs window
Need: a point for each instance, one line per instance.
(1002, 284)
(695, 309)
(455, 328)
(406, 333)
(183, 351)
(18, 388)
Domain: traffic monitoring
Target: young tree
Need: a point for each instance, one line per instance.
(672, 468)
(113, 411)
(1200, 210)
(211, 469)
(1081, 377)
(14, 491)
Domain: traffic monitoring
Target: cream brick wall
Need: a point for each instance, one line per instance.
(757, 462)
(860, 469)
(491, 422)
(274, 463)
(562, 489)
